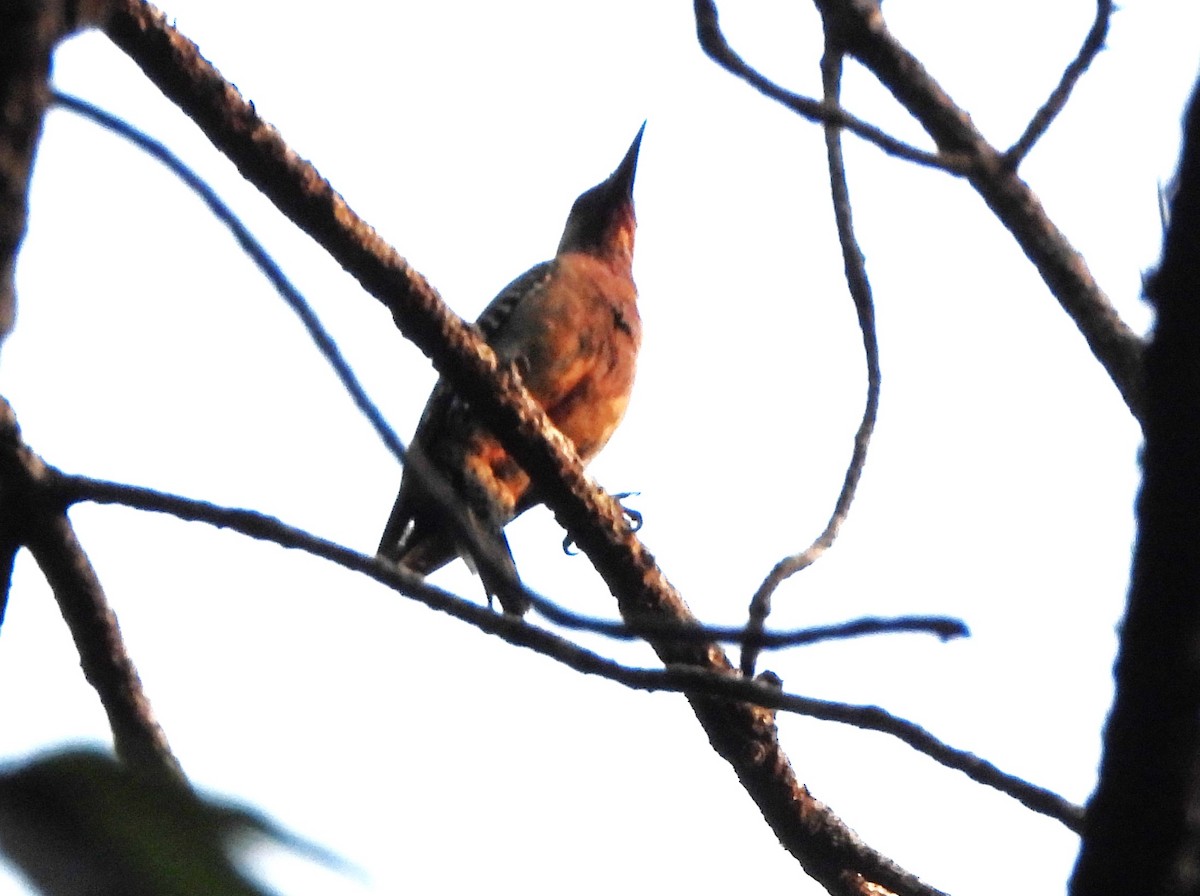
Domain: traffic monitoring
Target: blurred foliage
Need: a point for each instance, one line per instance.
(78, 823)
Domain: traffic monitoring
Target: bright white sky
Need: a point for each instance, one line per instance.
(999, 487)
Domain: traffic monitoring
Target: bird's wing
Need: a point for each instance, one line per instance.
(415, 534)
(499, 309)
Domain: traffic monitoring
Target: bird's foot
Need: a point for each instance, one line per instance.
(633, 517)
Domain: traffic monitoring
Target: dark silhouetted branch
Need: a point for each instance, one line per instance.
(691, 680)
(1143, 829)
(1044, 117)
(29, 31)
(864, 307)
(39, 522)
(858, 27)
(483, 551)
(713, 42)
(942, 627)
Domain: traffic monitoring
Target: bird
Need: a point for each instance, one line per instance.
(571, 328)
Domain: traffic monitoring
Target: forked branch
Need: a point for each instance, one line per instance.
(745, 735)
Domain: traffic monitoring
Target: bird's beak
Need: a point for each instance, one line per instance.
(622, 178)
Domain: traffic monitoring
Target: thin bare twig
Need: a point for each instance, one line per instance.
(1044, 117)
(859, 27)
(484, 552)
(712, 41)
(864, 307)
(861, 31)
(255, 251)
(872, 718)
(42, 526)
(942, 627)
(677, 678)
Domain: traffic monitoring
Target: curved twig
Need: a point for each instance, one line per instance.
(255, 251)
(713, 42)
(872, 718)
(864, 307)
(860, 28)
(484, 551)
(1044, 117)
(942, 627)
(679, 678)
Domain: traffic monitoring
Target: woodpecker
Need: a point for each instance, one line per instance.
(571, 327)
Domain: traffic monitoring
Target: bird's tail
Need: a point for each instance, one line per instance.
(422, 537)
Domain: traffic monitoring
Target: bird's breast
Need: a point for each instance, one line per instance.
(581, 364)
(575, 338)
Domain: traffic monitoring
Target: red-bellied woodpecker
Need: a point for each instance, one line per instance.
(571, 327)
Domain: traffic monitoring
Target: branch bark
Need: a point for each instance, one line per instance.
(858, 28)
(34, 518)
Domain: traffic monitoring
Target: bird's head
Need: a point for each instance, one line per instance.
(602, 221)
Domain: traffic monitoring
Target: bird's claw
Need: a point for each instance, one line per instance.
(633, 517)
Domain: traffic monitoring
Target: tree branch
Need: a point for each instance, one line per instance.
(858, 26)
(942, 627)
(712, 41)
(1044, 117)
(691, 680)
(484, 551)
(864, 307)
(41, 524)
(29, 31)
